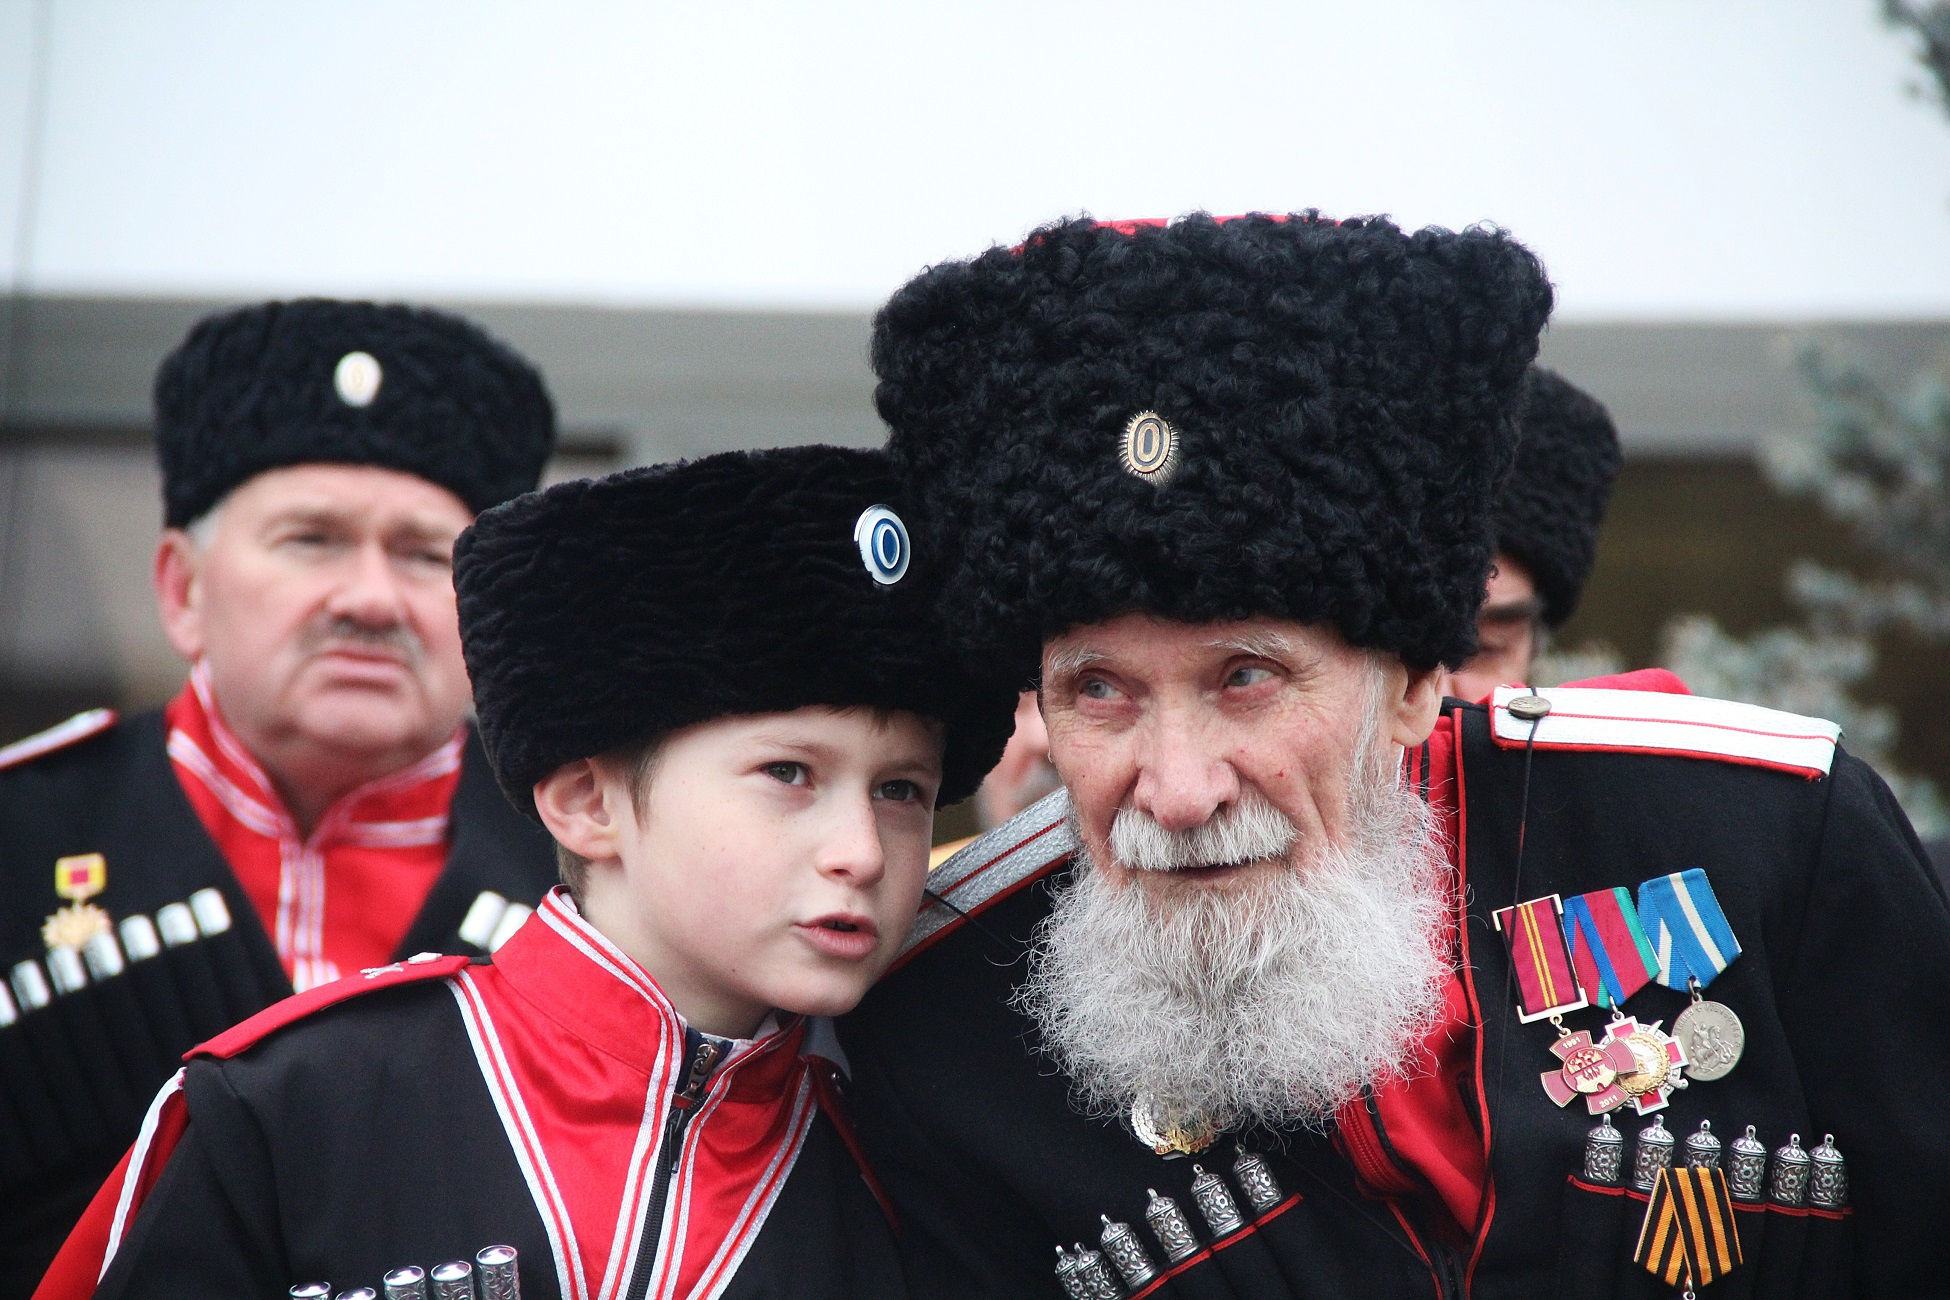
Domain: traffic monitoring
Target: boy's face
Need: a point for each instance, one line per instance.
(778, 861)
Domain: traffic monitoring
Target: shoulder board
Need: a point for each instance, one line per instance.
(240, 1037)
(1655, 722)
(992, 867)
(60, 736)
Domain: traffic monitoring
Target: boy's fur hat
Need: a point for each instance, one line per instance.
(1343, 396)
(283, 383)
(606, 612)
(1551, 506)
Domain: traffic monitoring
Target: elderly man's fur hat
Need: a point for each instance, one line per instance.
(607, 612)
(1340, 398)
(355, 383)
(1547, 515)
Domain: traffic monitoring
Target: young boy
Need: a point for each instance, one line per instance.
(718, 686)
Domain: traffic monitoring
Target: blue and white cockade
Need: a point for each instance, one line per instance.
(884, 548)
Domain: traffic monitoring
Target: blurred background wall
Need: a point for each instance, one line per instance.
(685, 215)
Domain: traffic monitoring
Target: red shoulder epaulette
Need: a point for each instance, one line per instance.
(240, 1037)
(59, 736)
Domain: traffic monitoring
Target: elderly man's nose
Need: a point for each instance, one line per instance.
(1182, 790)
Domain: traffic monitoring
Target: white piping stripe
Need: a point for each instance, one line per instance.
(509, 1104)
(1706, 943)
(1005, 856)
(138, 1157)
(758, 1206)
(1601, 718)
(79, 727)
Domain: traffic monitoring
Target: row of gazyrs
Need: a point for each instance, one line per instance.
(30, 986)
(1800, 1177)
(1123, 1261)
(492, 1275)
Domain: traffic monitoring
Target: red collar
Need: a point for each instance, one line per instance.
(402, 808)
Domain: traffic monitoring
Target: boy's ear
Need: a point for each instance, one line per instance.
(575, 802)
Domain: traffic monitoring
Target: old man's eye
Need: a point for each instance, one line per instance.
(1248, 676)
(1096, 688)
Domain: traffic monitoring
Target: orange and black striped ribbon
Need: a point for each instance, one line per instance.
(1689, 1233)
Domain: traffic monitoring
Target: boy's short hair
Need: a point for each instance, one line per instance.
(640, 761)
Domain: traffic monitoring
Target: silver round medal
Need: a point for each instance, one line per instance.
(1713, 1038)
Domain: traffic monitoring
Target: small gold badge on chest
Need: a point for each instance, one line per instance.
(77, 879)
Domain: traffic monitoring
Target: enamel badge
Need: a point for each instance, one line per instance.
(77, 879)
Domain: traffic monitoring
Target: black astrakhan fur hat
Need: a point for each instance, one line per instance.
(606, 612)
(355, 383)
(1550, 508)
(1340, 400)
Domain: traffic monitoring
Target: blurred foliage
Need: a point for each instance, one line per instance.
(1879, 464)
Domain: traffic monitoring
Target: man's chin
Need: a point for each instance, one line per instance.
(360, 719)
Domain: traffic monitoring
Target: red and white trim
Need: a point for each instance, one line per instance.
(62, 734)
(591, 1181)
(84, 1258)
(222, 765)
(139, 1177)
(1651, 722)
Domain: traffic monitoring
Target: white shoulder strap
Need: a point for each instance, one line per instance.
(1654, 722)
(62, 734)
(1008, 855)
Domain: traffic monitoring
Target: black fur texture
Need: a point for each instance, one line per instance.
(253, 389)
(606, 612)
(1551, 506)
(1344, 395)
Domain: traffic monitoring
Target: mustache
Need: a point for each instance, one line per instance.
(1250, 829)
(335, 632)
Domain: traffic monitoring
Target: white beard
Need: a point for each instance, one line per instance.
(1275, 1004)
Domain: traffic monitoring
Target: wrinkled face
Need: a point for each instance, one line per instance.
(322, 597)
(1179, 722)
(777, 862)
(1507, 632)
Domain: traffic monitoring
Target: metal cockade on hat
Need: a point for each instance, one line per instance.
(357, 377)
(1149, 448)
(883, 542)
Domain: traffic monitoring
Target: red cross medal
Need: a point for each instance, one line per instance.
(1658, 1062)
(1590, 1070)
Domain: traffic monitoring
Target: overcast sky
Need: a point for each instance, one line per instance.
(1668, 158)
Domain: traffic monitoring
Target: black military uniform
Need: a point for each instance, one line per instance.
(88, 1035)
(976, 1141)
(375, 1134)
(1291, 418)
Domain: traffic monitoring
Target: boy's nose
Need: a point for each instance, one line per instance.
(851, 850)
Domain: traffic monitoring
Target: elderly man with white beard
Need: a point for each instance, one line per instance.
(1312, 982)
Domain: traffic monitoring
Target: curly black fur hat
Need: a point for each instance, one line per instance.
(359, 383)
(606, 612)
(1549, 510)
(1342, 396)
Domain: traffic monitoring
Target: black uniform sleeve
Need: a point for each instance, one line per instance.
(1864, 1007)
(210, 1225)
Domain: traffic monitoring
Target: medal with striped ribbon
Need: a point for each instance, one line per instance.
(1690, 935)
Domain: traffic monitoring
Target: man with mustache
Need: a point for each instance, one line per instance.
(314, 802)
(1234, 1014)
